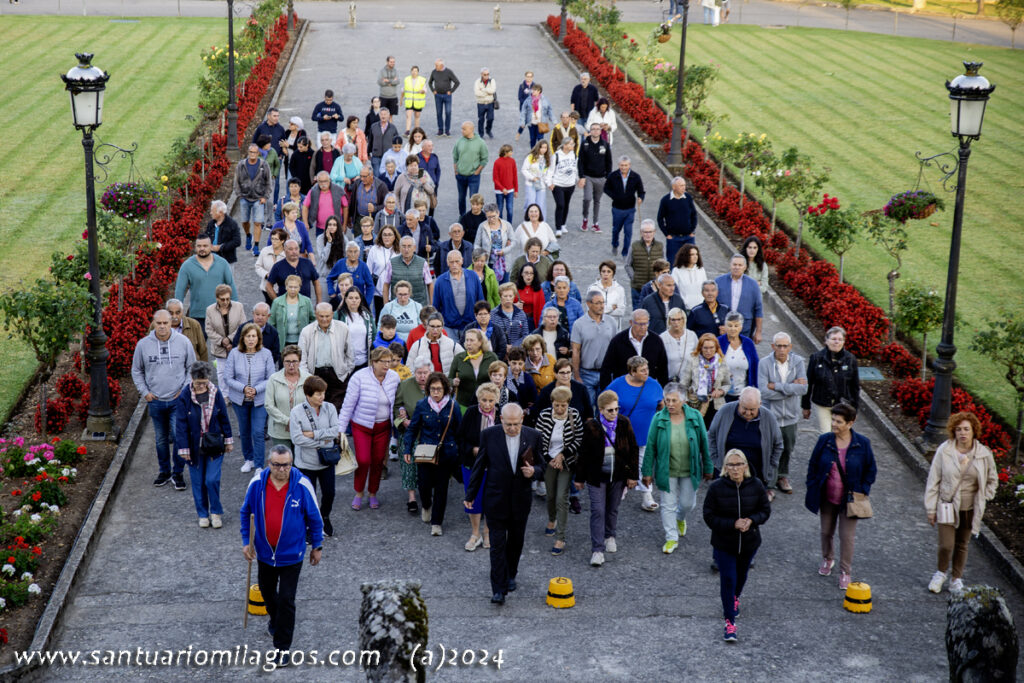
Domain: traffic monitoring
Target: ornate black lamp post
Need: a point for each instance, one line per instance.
(291, 16)
(86, 84)
(232, 146)
(968, 95)
(675, 151)
(561, 25)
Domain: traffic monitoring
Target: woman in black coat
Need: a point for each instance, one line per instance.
(300, 164)
(200, 409)
(609, 462)
(478, 417)
(735, 507)
(832, 376)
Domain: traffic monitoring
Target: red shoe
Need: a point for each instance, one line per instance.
(596, 228)
(583, 228)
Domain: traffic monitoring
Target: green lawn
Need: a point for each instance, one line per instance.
(153, 65)
(862, 104)
(947, 7)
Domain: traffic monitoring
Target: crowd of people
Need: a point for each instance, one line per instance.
(480, 357)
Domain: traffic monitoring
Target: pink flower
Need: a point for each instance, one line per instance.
(19, 442)
(88, 276)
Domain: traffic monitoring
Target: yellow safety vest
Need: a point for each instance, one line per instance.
(415, 92)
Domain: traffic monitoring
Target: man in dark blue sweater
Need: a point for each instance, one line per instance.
(626, 190)
(677, 218)
(327, 114)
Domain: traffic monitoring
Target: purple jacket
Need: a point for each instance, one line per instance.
(361, 398)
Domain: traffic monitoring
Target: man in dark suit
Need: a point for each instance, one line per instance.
(271, 340)
(636, 341)
(510, 456)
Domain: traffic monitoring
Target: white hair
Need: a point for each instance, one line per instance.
(263, 305)
(174, 302)
(218, 205)
(780, 336)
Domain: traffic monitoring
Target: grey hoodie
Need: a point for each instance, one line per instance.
(161, 368)
(784, 400)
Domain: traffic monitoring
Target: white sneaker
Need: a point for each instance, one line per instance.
(597, 559)
(648, 503)
(609, 545)
(248, 465)
(216, 521)
(425, 515)
(541, 490)
(935, 585)
(435, 530)
(956, 586)
(204, 522)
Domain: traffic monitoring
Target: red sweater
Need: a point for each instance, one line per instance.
(506, 174)
(533, 303)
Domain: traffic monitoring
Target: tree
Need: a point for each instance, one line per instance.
(837, 228)
(46, 316)
(748, 152)
(918, 311)
(780, 177)
(1011, 13)
(697, 82)
(850, 4)
(1003, 343)
(892, 237)
(807, 186)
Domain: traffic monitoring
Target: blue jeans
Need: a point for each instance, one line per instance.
(484, 118)
(674, 243)
(162, 414)
(204, 474)
(505, 200)
(732, 574)
(252, 423)
(534, 135)
(636, 298)
(622, 220)
(466, 183)
(443, 105)
(591, 379)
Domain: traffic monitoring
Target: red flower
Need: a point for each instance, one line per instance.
(36, 496)
(16, 492)
(11, 560)
(85, 235)
(37, 550)
(71, 257)
(82, 450)
(55, 440)
(1004, 476)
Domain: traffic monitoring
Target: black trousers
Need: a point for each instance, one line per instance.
(335, 387)
(562, 197)
(507, 537)
(325, 478)
(433, 483)
(278, 586)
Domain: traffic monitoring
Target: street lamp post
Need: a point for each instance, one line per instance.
(968, 95)
(675, 150)
(561, 25)
(232, 146)
(291, 16)
(86, 84)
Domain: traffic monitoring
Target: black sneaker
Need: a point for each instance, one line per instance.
(284, 659)
(328, 528)
(162, 479)
(179, 482)
(574, 505)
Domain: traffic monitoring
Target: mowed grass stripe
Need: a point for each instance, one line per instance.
(153, 66)
(883, 101)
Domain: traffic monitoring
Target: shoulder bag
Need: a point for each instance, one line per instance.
(328, 455)
(497, 105)
(858, 505)
(430, 454)
(543, 128)
(944, 513)
(347, 460)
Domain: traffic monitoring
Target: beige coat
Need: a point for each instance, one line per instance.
(689, 375)
(945, 472)
(341, 350)
(215, 331)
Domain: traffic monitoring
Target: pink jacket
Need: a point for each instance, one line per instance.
(362, 395)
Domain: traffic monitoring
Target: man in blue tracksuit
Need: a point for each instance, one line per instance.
(286, 514)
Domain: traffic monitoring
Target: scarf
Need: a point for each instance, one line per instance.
(207, 408)
(487, 419)
(706, 371)
(497, 244)
(609, 429)
(437, 406)
(474, 356)
(535, 102)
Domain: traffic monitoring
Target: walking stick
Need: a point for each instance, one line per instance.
(248, 571)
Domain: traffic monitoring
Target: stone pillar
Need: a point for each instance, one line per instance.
(393, 621)
(981, 641)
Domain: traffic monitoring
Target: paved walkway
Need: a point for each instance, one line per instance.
(755, 12)
(158, 581)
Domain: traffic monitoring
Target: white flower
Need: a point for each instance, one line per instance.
(65, 472)
(3, 603)
(34, 588)
(8, 569)
(26, 576)
(74, 471)
(17, 513)
(54, 509)
(36, 518)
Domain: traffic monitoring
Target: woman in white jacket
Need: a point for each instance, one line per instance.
(962, 476)
(535, 168)
(533, 226)
(614, 293)
(603, 116)
(689, 274)
(562, 178)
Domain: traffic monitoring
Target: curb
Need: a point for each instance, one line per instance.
(81, 551)
(233, 199)
(1004, 560)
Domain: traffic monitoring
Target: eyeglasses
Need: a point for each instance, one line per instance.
(734, 464)
(281, 465)
(291, 362)
(611, 410)
(675, 320)
(565, 372)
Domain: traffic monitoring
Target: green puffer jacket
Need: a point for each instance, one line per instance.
(659, 447)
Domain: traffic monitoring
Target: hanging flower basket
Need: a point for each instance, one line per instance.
(130, 201)
(913, 204)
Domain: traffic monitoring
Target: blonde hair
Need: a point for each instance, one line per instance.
(735, 452)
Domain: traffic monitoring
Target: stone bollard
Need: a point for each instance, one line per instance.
(981, 641)
(352, 15)
(497, 17)
(393, 621)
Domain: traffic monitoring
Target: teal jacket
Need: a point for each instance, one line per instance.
(659, 446)
(279, 315)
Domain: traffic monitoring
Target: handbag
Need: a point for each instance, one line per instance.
(944, 513)
(430, 454)
(543, 128)
(328, 455)
(497, 105)
(346, 461)
(211, 444)
(858, 505)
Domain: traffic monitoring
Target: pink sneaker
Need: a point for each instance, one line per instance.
(844, 580)
(826, 567)
(596, 228)
(583, 228)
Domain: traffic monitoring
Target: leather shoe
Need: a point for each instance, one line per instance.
(784, 485)
(512, 585)
(498, 599)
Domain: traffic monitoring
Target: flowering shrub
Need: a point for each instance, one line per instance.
(131, 201)
(68, 452)
(82, 409)
(45, 492)
(904, 364)
(70, 385)
(58, 414)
